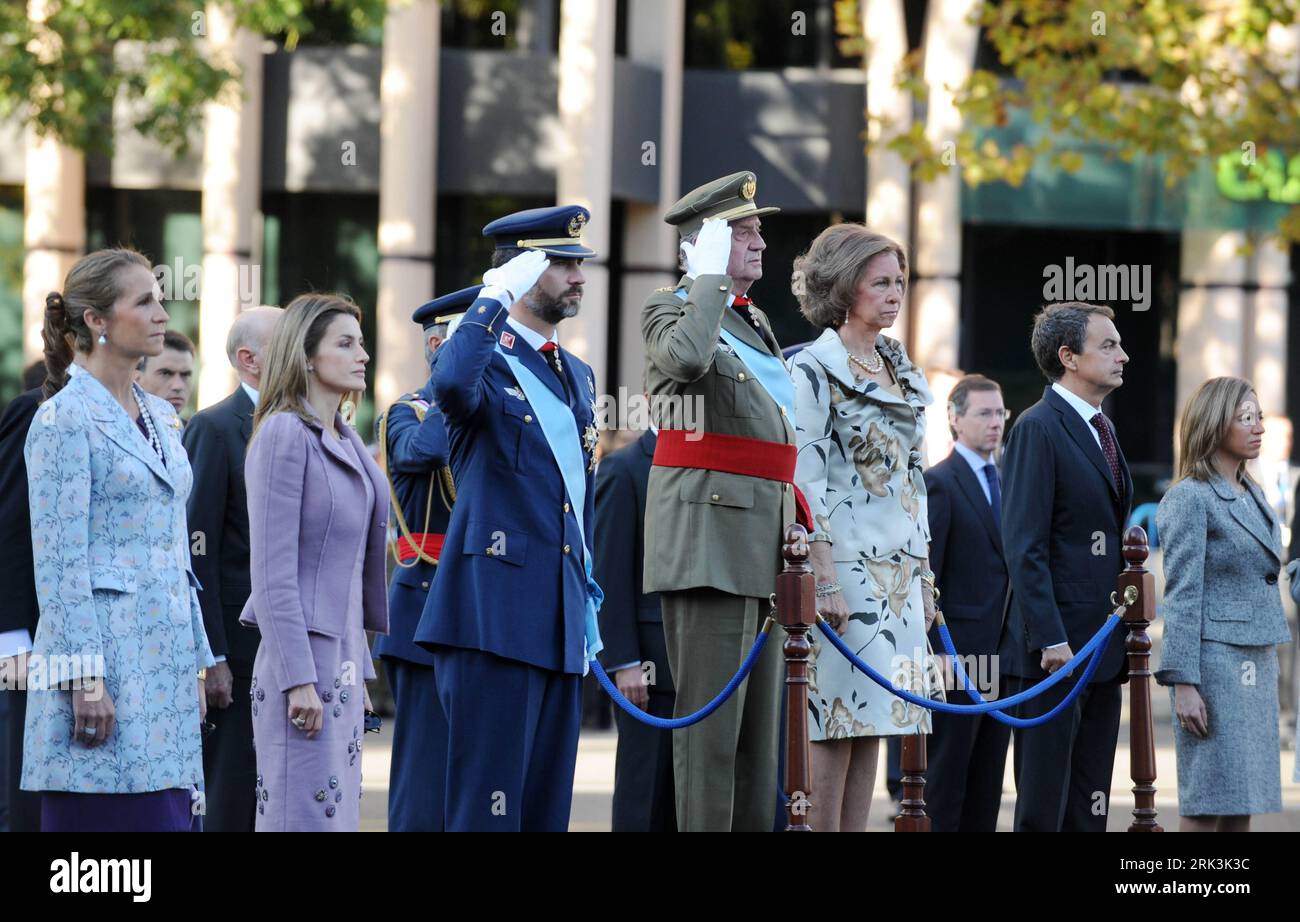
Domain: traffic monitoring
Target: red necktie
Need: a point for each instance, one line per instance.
(1110, 450)
(742, 301)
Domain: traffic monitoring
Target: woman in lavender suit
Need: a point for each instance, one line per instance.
(316, 520)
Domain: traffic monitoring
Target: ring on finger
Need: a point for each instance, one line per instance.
(89, 732)
(299, 722)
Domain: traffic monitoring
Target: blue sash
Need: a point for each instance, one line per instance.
(561, 432)
(767, 368)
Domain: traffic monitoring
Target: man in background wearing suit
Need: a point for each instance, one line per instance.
(968, 754)
(1067, 496)
(632, 629)
(216, 439)
(20, 811)
(414, 440)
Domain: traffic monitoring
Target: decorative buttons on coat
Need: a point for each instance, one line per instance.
(527, 418)
(338, 710)
(424, 584)
(320, 795)
(329, 811)
(1271, 579)
(343, 696)
(334, 782)
(338, 797)
(490, 552)
(261, 694)
(566, 507)
(338, 682)
(266, 795)
(327, 697)
(740, 376)
(566, 549)
(715, 497)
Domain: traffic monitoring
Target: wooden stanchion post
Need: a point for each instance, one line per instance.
(912, 818)
(796, 609)
(1137, 590)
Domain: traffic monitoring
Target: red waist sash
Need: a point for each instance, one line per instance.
(732, 454)
(429, 543)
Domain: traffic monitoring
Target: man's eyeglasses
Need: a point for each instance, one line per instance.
(991, 415)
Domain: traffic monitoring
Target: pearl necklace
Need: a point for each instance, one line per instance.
(154, 442)
(871, 368)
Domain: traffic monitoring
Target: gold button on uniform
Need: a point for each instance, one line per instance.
(566, 549)
(424, 584)
(566, 507)
(527, 418)
(482, 310)
(491, 553)
(740, 377)
(715, 497)
(722, 288)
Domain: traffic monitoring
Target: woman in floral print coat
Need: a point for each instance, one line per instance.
(860, 421)
(115, 686)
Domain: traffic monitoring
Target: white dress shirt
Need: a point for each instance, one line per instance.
(1082, 407)
(977, 464)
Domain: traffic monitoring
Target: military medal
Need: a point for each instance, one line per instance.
(590, 436)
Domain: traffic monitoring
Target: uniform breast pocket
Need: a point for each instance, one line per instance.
(736, 387)
(517, 421)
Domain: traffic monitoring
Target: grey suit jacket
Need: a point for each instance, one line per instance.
(1221, 574)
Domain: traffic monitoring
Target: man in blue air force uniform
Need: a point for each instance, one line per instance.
(511, 618)
(414, 442)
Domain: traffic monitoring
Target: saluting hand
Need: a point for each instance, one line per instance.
(710, 252)
(517, 276)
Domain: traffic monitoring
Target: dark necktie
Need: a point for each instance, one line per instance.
(551, 353)
(1110, 450)
(995, 493)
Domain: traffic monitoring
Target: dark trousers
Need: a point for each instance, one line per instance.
(230, 764)
(966, 759)
(512, 742)
(418, 775)
(23, 807)
(643, 766)
(1063, 768)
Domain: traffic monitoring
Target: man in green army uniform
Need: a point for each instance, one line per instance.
(718, 501)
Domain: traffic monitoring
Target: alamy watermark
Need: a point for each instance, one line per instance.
(1085, 282)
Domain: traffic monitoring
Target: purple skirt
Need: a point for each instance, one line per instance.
(155, 811)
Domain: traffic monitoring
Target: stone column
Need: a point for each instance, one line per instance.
(54, 211)
(950, 42)
(889, 184)
(408, 174)
(656, 36)
(232, 159)
(583, 169)
(1212, 309)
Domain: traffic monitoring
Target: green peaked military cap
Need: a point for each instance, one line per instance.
(727, 199)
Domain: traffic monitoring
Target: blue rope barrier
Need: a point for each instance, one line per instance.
(676, 723)
(988, 706)
(1093, 662)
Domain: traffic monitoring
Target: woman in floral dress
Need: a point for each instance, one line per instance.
(860, 419)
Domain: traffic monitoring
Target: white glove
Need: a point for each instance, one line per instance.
(711, 251)
(510, 282)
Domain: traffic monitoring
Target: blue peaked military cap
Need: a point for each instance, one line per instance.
(555, 231)
(446, 308)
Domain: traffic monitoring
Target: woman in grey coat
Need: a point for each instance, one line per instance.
(1223, 615)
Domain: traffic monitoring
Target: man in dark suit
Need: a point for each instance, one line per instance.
(216, 440)
(968, 753)
(19, 613)
(1067, 496)
(635, 654)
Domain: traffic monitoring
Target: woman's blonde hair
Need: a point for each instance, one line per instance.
(1205, 422)
(298, 334)
(827, 276)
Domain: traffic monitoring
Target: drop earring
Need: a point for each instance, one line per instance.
(103, 339)
(311, 369)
